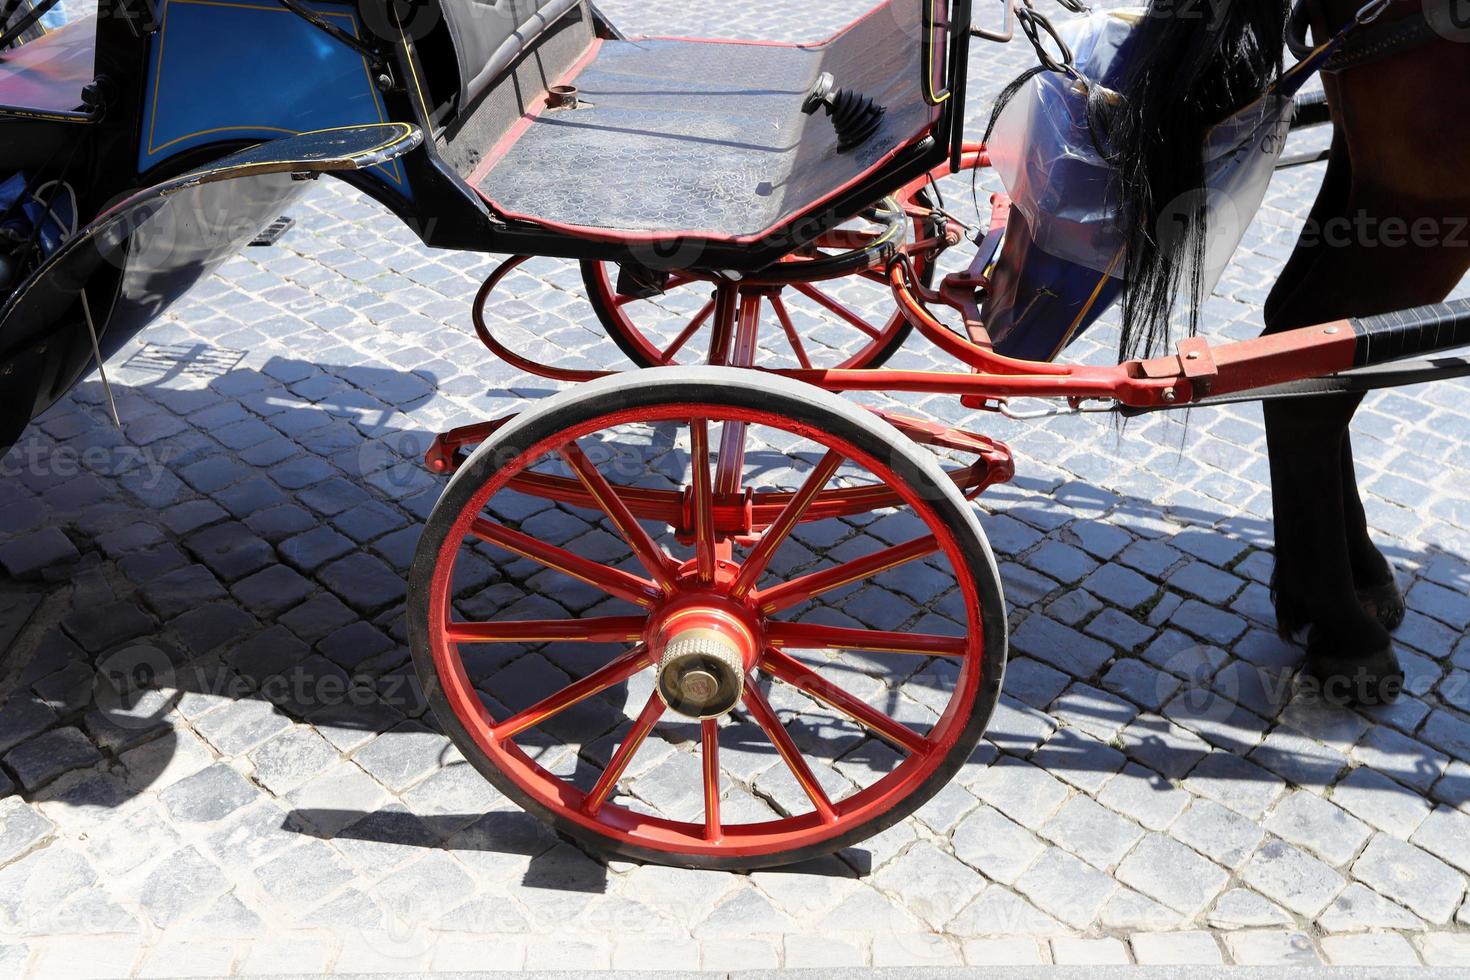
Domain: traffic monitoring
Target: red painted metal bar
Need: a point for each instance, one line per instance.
(811, 636)
(796, 591)
(613, 581)
(761, 711)
(653, 710)
(572, 695)
(600, 629)
(814, 685)
(709, 737)
(784, 524)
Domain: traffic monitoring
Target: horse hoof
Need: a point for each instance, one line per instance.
(1352, 680)
(1384, 603)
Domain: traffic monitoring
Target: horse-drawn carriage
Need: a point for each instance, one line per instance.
(724, 198)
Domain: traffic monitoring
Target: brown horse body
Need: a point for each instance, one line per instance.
(1387, 232)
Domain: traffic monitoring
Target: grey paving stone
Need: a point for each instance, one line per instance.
(1164, 869)
(291, 758)
(22, 718)
(1081, 760)
(1378, 949)
(1272, 948)
(1359, 908)
(1292, 878)
(181, 884)
(403, 756)
(271, 591)
(1065, 888)
(21, 829)
(1093, 712)
(36, 552)
(1241, 908)
(209, 795)
(995, 846)
(1245, 788)
(1020, 791)
(340, 796)
(1176, 949)
(1061, 647)
(1428, 886)
(1300, 760)
(240, 726)
(301, 877)
(1001, 912)
(1221, 835)
(43, 758)
(1449, 733)
(1309, 821)
(103, 627)
(1446, 834)
(363, 582)
(1381, 802)
(1144, 796)
(1162, 746)
(1092, 832)
(1140, 683)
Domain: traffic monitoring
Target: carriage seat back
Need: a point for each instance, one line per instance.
(490, 35)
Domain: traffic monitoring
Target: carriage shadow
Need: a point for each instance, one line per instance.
(128, 644)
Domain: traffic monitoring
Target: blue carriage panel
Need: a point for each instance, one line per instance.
(222, 70)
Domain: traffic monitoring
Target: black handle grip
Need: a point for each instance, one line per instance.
(1409, 333)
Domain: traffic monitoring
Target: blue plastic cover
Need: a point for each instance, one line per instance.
(1064, 190)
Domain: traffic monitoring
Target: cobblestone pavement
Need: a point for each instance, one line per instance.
(1151, 789)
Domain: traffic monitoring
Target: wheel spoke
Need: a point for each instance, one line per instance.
(668, 353)
(652, 712)
(804, 636)
(760, 710)
(613, 581)
(703, 503)
(785, 522)
(817, 687)
(827, 302)
(644, 547)
(605, 629)
(789, 328)
(594, 683)
(797, 591)
(710, 751)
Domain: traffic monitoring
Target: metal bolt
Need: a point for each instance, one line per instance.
(1170, 396)
(1192, 356)
(1333, 330)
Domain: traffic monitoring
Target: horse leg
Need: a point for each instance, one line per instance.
(1378, 589)
(1372, 575)
(1327, 567)
(1303, 467)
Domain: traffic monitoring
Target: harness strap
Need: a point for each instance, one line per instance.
(1361, 41)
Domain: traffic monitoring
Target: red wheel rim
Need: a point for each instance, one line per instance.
(661, 337)
(660, 587)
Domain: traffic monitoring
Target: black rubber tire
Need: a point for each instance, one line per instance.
(738, 388)
(615, 330)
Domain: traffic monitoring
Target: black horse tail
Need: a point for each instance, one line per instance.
(1194, 64)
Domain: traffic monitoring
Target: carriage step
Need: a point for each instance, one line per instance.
(273, 232)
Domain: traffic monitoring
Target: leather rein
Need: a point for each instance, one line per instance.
(1363, 41)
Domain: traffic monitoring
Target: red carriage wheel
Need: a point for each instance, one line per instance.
(816, 322)
(713, 693)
